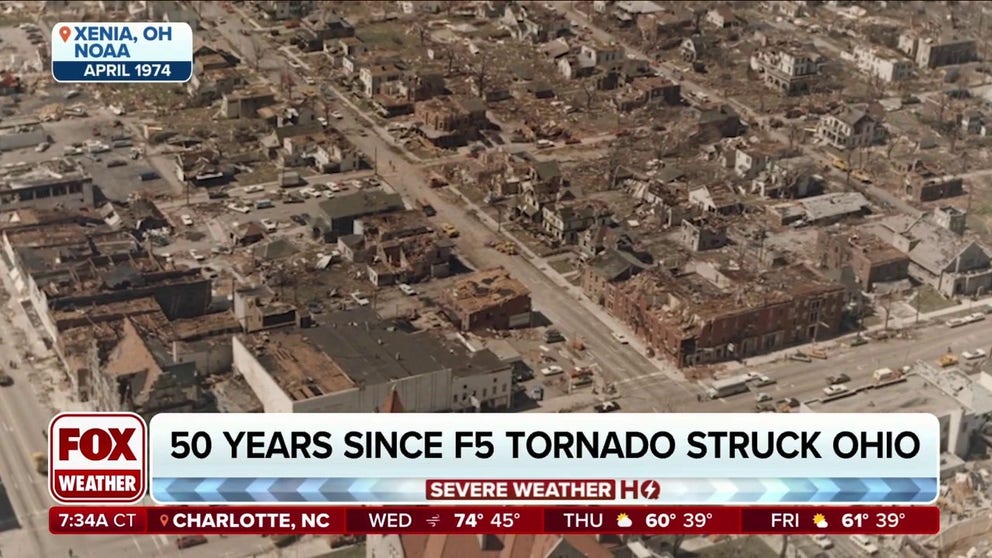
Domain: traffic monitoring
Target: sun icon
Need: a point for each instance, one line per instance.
(818, 518)
(624, 521)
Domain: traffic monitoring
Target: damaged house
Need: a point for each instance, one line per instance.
(488, 299)
(939, 255)
(398, 247)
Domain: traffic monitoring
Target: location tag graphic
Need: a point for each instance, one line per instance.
(122, 52)
(164, 519)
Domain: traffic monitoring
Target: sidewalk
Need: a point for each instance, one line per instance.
(895, 324)
(53, 390)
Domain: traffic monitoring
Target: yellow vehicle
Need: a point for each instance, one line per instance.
(449, 230)
(839, 164)
(40, 463)
(861, 175)
(947, 360)
(508, 248)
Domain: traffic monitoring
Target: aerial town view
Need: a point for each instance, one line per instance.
(504, 206)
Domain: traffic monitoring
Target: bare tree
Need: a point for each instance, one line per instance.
(251, 51)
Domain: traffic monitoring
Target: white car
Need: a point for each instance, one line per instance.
(186, 219)
(823, 541)
(762, 397)
(359, 298)
(337, 115)
(254, 189)
(269, 224)
(240, 208)
(621, 338)
(196, 255)
(973, 354)
(552, 370)
(407, 289)
(333, 186)
(328, 194)
(834, 389)
(322, 120)
(752, 375)
(309, 192)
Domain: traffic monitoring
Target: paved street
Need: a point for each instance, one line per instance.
(564, 306)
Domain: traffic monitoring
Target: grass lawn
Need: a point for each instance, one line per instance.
(563, 266)
(927, 299)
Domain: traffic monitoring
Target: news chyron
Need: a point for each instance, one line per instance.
(137, 52)
(97, 458)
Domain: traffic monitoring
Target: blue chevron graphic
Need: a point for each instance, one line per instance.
(674, 491)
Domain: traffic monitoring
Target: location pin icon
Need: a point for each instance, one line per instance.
(164, 519)
(64, 32)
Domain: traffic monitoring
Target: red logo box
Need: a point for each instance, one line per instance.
(97, 457)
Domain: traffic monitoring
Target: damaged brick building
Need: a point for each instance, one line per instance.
(710, 313)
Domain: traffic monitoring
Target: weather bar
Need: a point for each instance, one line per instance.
(648, 520)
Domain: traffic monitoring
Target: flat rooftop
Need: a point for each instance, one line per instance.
(482, 289)
(356, 347)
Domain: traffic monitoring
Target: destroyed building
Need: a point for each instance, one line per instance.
(787, 68)
(352, 362)
(488, 299)
(57, 185)
(952, 264)
(451, 122)
(871, 259)
(712, 311)
(851, 128)
(398, 247)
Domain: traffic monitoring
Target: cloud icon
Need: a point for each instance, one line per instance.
(624, 521)
(822, 524)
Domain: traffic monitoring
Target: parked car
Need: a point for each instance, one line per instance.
(254, 189)
(186, 219)
(239, 207)
(407, 289)
(196, 255)
(553, 336)
(974, 354)
(765, 381)
(835, 389)
(6, 380)
(360, 298)
(607, 407)
(450, 230)
(620, 338)
(552, 370)
(269, 225)
(761, 397)
(299, 218)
